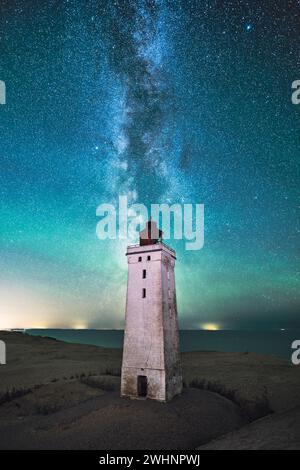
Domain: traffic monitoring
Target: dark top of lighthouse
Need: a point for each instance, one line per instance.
(151, 234)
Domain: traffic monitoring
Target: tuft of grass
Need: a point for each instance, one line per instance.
(10, 395)
(45, 408)
(253, 410)
(100, 382)
(113, 372)
(214, 387)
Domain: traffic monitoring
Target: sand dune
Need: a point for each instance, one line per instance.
(58, 395)
(277, 431)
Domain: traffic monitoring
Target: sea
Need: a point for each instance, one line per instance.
(273, 342)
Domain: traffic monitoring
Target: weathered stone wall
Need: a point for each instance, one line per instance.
(170, 324)
(151, 333)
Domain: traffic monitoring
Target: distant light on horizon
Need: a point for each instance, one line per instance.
(80, 326)
(210, 326)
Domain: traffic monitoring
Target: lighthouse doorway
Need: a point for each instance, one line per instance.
(142, 385)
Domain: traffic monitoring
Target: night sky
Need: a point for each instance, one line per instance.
(162, 101)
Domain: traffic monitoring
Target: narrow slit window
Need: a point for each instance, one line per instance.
(144, 273)
(148, 258)
(144, 293)
(140, 258)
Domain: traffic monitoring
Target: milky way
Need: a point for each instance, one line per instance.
(138, 49)
(163, 101)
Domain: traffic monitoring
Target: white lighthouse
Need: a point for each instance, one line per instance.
(151, 361)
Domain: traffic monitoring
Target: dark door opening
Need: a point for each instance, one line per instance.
(142, 385)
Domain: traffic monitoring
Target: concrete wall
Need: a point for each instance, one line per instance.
(151, 344)
(170, 325)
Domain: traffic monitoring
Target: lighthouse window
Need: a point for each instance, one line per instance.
(144, 293)
(140, 258)
(144, 273)
(148, 258)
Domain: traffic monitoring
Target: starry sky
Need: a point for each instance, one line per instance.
(162, 101)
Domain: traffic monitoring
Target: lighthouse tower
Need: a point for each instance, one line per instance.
(151, 362)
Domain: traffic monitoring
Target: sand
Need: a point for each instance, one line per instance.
(277, 431)
(56, 395)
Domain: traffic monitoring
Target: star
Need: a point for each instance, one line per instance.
(166, 108)
(249, 27)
